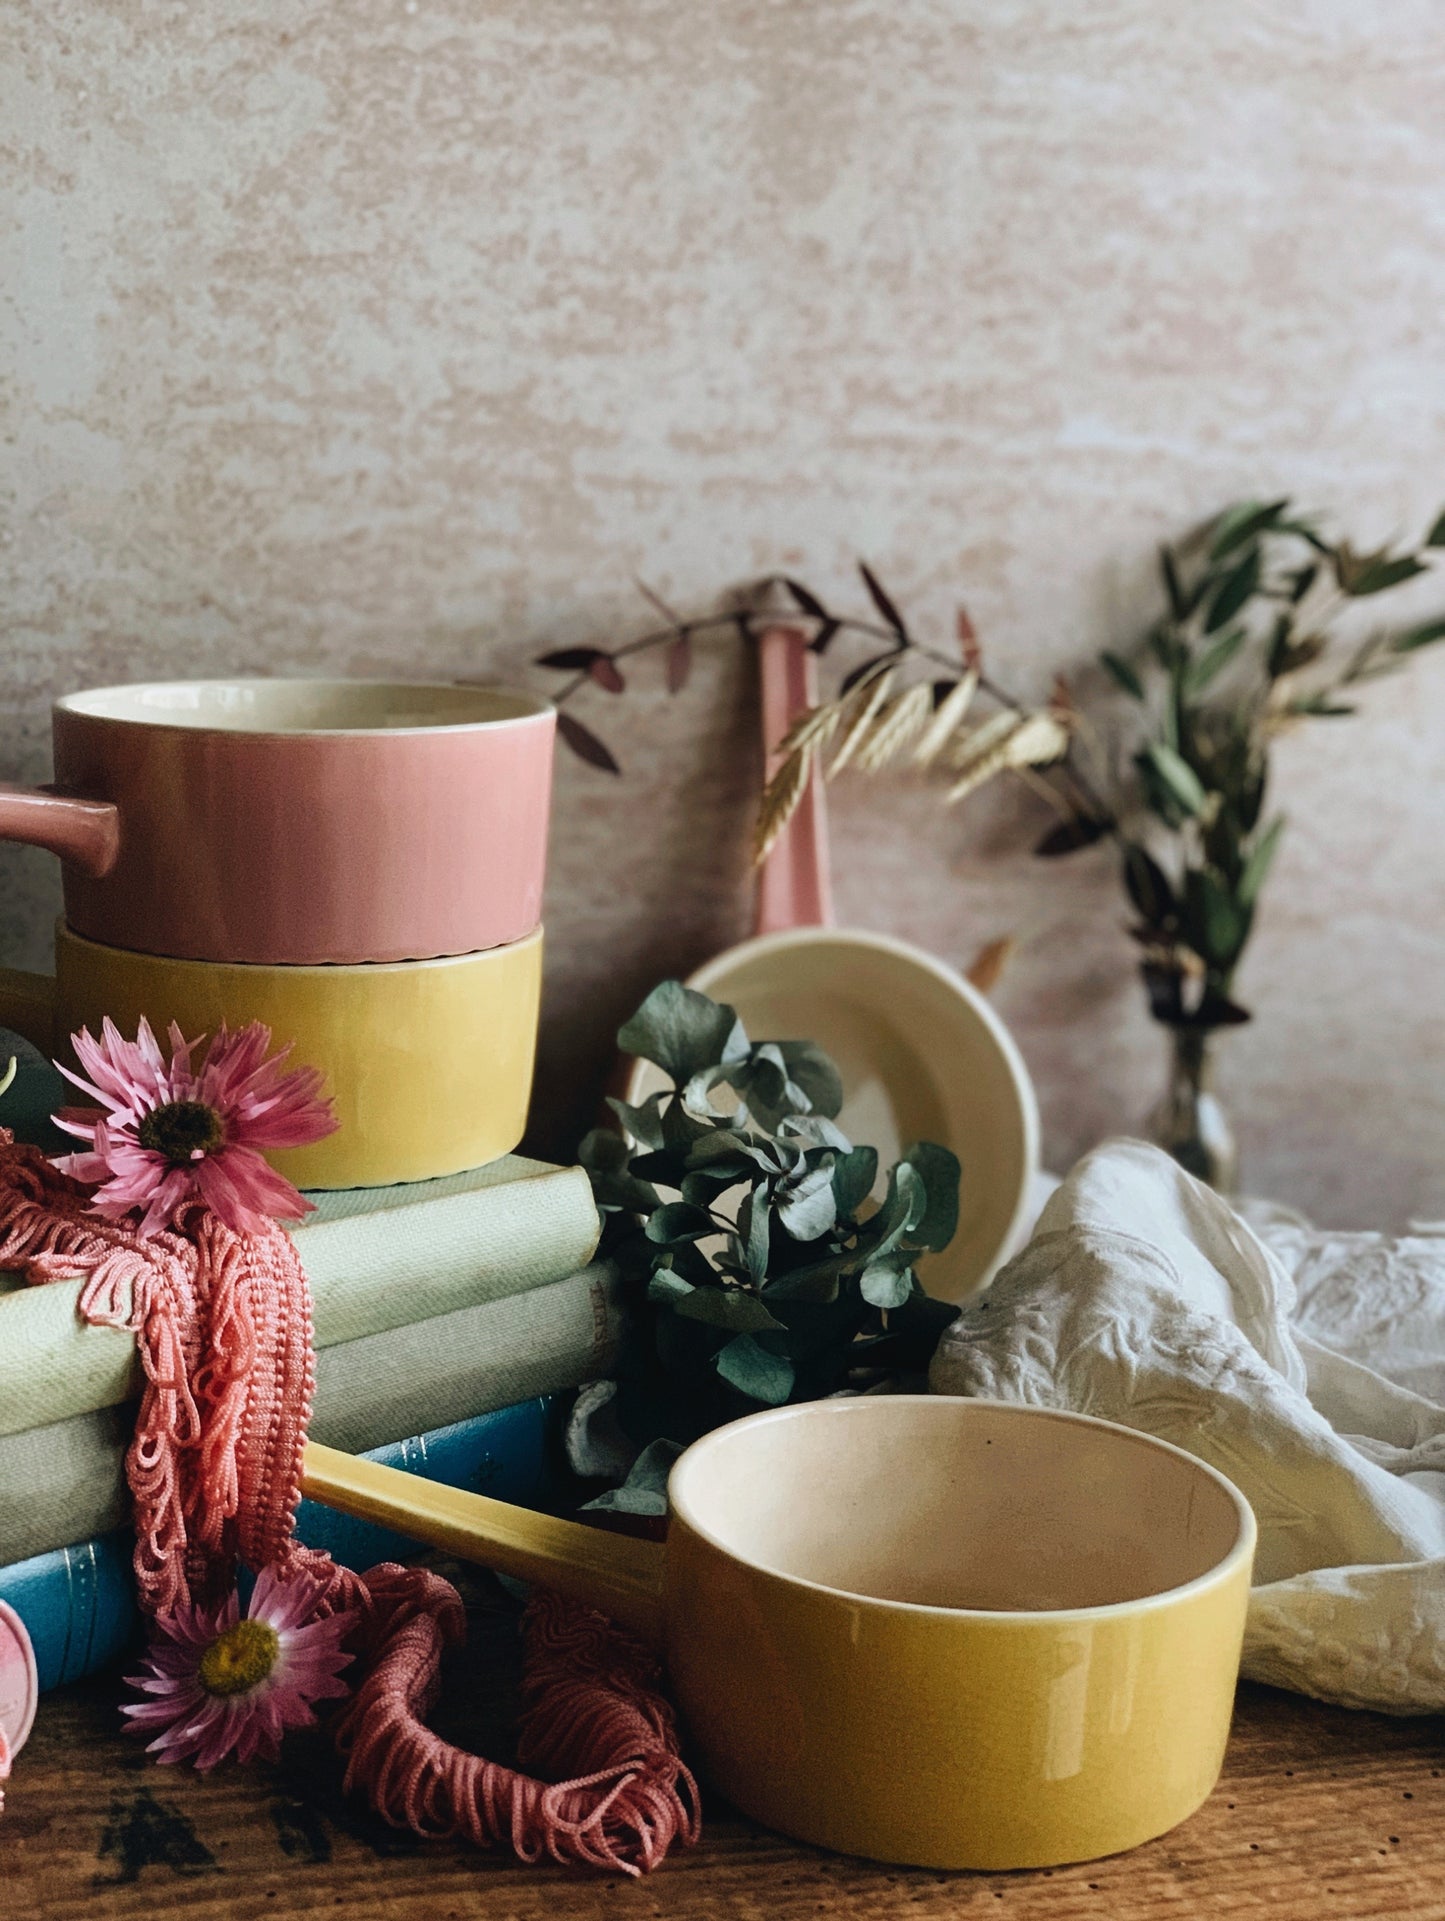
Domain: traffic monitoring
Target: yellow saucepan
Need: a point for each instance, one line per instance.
(429, 1062)
(944, 1632)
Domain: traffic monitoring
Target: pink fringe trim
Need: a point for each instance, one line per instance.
(223, 1325)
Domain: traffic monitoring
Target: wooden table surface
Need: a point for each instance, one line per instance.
(1320, 1813)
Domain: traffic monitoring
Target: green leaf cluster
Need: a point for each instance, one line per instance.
(773, 1262)
(1247, 646)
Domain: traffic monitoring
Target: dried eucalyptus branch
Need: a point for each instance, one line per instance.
(883, 713)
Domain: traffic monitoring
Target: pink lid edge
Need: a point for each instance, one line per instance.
(19, 1682)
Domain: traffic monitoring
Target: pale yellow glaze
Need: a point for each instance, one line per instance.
(429, 1062)
(950, 1633)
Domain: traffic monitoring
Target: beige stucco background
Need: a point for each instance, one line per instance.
(399, 337)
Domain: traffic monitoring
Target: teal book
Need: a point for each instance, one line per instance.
(78, 1603)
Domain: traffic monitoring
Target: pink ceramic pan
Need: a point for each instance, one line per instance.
(296, 822)
(922, 1054)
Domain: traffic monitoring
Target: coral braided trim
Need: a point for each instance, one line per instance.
(593, 1711)
(222, 1323)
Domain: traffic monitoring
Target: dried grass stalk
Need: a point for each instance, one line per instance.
(946, 722)
(895, 728)
(1008, 740)
(780, 800)
(814, 728)
(986, 968)
(860, 710)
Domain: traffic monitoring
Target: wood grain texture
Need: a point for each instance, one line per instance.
(397, 337)
(1320, 1814)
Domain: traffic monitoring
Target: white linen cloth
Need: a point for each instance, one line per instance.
(1307, 1366)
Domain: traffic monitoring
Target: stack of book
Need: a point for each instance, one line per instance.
(447, 1314)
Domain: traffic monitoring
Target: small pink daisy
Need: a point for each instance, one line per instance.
(170, 1135)
(222, 1684)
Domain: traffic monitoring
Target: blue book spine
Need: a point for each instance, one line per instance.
(79, 1602)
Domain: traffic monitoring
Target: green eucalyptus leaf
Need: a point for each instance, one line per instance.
(754, 1231)
(815, 1130)
(1178, 777)
(666, 1166)
(1436, 535)
(687, 1260)
(679, 1221)
(816, 1283)
(603, 1150)
(696, 1097)
(810, 1069)
(1123, 674)
(853, 1176)
(681, 1129)
(731, 1149)
(1424, 635)
(1213, 659)
(1216, 922)
(643, 1123)
(682, 1032)
(762, 1082)
(645, 1489)
(616, 1186)
(904, 1206)
(735, 1309)
(1148, 886)
(1257, 866)
(1182, 600)
(806, 1204)
(702, 1185)
(1234, 591)
(755, 1370)
(1380, 574)
(668, 1288)
(1305, 529)
(886, 1283)
(940, 1173)
(1246, 520)
(1302, 579)
(1322, 707)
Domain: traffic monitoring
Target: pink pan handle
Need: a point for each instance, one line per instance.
(85, 833)
(794, 886)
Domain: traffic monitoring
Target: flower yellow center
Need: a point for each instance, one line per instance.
(240, 1659)
(184, 1131)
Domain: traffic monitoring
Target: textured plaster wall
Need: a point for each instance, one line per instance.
(398, 337)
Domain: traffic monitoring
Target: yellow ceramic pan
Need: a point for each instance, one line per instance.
(950, 1633)
(429, 1062)
(922, 1054)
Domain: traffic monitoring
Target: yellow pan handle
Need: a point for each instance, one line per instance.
(27, 1006)
(614, 1573)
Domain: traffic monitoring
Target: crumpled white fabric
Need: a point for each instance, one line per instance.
(1307, 1366)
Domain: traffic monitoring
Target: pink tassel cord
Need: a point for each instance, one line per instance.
(222, 1322)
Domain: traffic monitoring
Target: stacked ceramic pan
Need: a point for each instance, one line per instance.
(358, 864)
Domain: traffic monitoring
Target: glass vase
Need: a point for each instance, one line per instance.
(1190, 1123)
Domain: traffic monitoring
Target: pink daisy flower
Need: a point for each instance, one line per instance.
(219, 1683)
(169, 1135)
